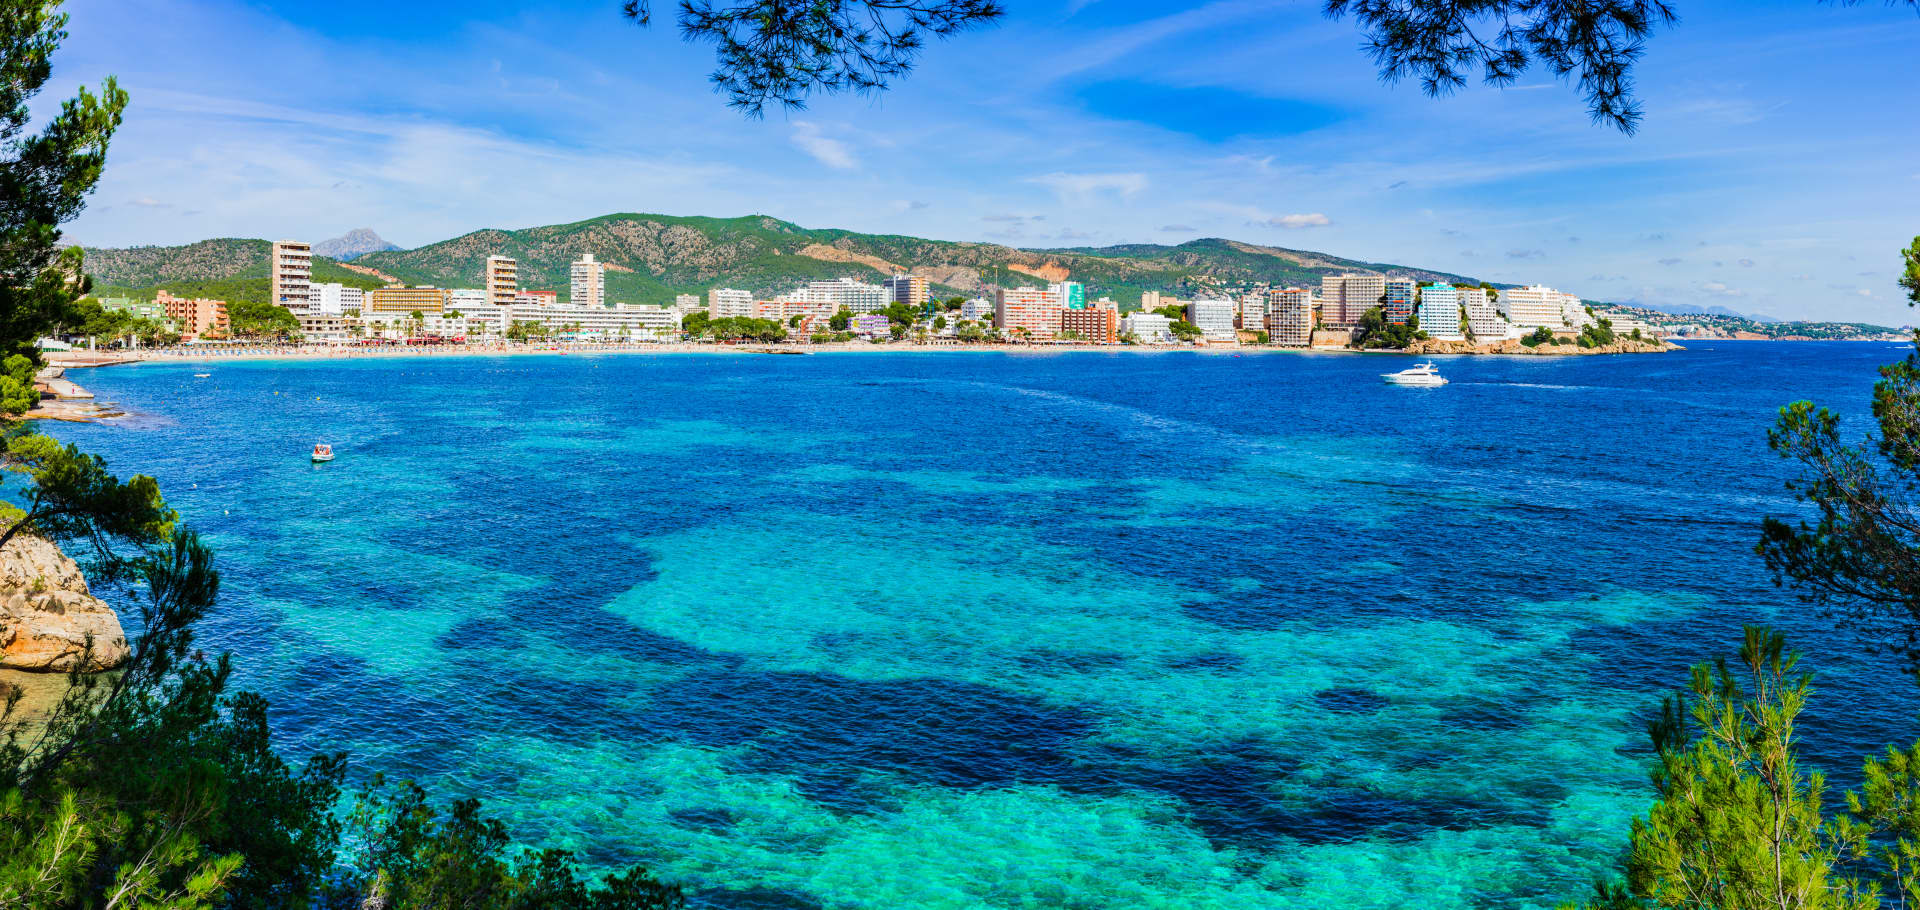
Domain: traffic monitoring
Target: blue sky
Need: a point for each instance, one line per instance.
(1776, 172)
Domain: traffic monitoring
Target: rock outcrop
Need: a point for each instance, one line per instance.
(1621, 346)
(47, 612)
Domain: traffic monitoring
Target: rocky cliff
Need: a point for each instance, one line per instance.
(47, 612)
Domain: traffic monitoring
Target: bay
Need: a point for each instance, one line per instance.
(991, 630)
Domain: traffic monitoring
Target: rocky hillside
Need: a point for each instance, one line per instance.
(652, 257)
(229, 268)
(352, 245)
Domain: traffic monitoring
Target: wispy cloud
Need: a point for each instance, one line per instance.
(1179, 228)
(1671, 261)
(1312, 219)
(828, 151)
(1081, 188)
(1526, 254)
(1719, 289)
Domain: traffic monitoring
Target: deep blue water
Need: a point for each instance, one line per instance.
(969, 630)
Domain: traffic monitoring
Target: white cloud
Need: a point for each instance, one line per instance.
(1721, 290)
(1314, 219)
(1083, 187)
(831, 152)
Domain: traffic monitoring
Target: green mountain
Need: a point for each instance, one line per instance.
(650, 258)
(229, 269)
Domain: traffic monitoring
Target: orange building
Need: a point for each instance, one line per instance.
(197, 316)
(1101, 326)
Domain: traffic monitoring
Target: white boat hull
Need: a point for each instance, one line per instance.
(1397, 379)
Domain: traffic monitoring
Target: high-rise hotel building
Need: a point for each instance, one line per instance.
(1440, 312)
(589, 282)
(290, 263)
(723, 303)
(503, 280)
(1031, 309)
(1535, 306)
(1290, 317)
(1398, 302)
(1345, 298)
(908, 289)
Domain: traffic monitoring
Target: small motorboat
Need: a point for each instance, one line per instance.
(322, 453)
(1424, 374)
(201, 375)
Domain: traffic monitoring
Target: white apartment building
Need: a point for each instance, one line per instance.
(1484, 321)
(847, 294)
(1439, 312)
(470, 299)
(686, 303)
(333, 299)
(1149, 328)
(1535, 306)
(290, 264)
(1253, 312)
(1214, 319)
(589, 285)
(1574, 311)
(1345, 298)
(598, 323)
(1290, 317)
(724, 303)
(976, 309)
(503, 280)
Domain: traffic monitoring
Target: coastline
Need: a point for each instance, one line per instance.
(87, 359)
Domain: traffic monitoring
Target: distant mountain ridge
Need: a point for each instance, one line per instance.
(650, 258)
(352, 245)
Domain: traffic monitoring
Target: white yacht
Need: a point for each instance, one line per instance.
(1424, 374)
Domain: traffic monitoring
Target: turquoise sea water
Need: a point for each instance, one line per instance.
(984, 630)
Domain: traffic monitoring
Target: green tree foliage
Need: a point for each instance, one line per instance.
(1184, 330)
(1740, 823)
(1600, 334)
(839, 321)
(45, 176)
(780, 53)
(1537, 337)
(746, 328)
(88, 318)
(419, 857)
(17, 394)
(1374, 332)
(261, 320)
(1859, 559)
(66, 495)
